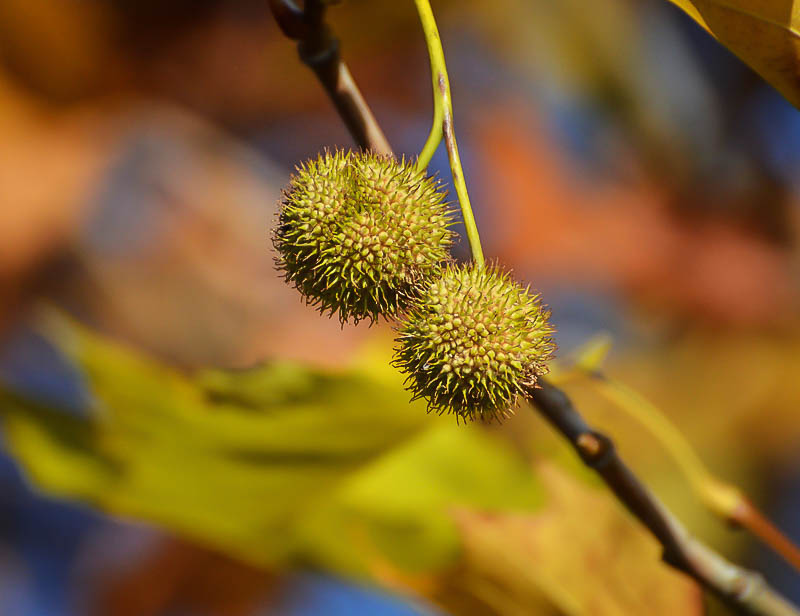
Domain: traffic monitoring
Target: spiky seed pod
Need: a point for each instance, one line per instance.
(472, 341)
(358, 231)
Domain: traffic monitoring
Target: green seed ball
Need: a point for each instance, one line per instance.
(473, 341)
(358, 231)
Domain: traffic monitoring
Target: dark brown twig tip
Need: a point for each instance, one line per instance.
(319, 50)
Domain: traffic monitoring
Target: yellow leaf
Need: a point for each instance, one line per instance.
(593, 353)
(765, 34)
(286, 466)
(582, 554)
(278, 465)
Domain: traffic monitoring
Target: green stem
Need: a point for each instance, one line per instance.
(443, 126)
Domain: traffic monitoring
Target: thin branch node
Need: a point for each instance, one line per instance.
(590, 445)
(317, 57)
(596, 450)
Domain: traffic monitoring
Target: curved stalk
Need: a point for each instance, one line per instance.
(443, 126)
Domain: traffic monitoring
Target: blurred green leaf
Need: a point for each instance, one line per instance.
(287, 466)
(278, 465)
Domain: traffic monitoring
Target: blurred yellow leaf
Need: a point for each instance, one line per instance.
(763, 33)
(277, 465)
(593, 353)
(284, 466)
(581, 563)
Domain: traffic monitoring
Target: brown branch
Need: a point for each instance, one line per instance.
(319, 50)
(723, 499)
(742, 590)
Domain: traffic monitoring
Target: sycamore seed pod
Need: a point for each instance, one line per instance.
(357, 232)
(473, 340)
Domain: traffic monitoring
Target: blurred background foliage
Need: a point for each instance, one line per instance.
(195, 440)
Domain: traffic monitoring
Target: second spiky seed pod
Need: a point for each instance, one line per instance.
(357, 232)
(473, 341)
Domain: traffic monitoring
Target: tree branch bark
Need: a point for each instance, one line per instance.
(319, 50)
(744, 591)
